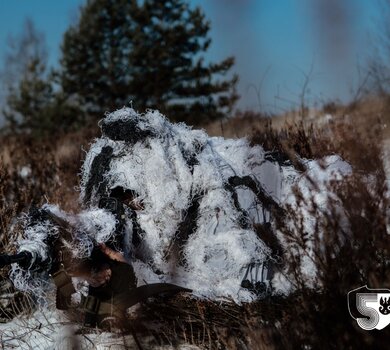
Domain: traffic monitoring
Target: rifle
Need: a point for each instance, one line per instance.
(60, 257)
(22, 258)
(62, 265)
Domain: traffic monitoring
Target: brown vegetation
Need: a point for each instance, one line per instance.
(309, 317)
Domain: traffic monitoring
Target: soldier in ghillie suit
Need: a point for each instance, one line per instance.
(165, 206)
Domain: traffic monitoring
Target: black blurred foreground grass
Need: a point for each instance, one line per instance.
(347, 253)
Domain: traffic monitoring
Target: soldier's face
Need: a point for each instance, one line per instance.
(99, 278)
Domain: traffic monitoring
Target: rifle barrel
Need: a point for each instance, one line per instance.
(22, 257)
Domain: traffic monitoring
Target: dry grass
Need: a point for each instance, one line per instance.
(241, 125)
(311, 318)
(361, 114)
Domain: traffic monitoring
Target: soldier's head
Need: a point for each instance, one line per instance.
(121, 131)
(130, 144)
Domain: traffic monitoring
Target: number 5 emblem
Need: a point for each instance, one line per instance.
(370, 307)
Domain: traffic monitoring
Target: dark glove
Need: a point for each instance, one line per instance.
(22, 258)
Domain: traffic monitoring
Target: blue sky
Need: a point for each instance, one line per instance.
(276, 43)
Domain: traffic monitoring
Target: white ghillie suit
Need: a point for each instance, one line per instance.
(196, 224)
(180, 176)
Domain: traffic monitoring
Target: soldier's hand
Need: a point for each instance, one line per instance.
(112, 254)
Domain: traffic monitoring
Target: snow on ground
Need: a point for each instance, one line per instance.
(48, 329)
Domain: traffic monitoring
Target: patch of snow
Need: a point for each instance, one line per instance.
(25, 171)
(48, 329)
